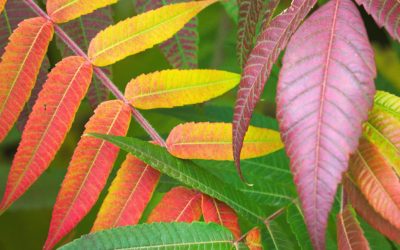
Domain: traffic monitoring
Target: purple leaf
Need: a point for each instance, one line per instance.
(82, 30)
(16, 11)
(386, 13)
(270, 43)
(325, 91)
(251, 13)
(181, 49)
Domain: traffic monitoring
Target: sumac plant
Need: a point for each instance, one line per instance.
(334, 133)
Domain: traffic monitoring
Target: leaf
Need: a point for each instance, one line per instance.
(277, 238)
(172, 236)
(376, 180)
(385, 13)
(128, 195)
(365, 210)
(61, 11)
(269, 44)
(189, 174)
(251, 13)
(2, 3)
(82, 30)
(48, 124)
(232, 9)
(323, 98)
(295, 219)
(350, 234)
(20, 66)
(253, 239)
(178, 205)
(171, 88)
(141, 32)
(88, 170)
(218, 212)
(181, 49)
(383, 126)
(213, 141)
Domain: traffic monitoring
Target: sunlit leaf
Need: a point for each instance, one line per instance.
(213, 141)
(61, 11)
(253, 239)
(323, 98)
(20, 66)
(88, 170)
(141, 32)
(48, 124)
(128, 195)
(171, 88)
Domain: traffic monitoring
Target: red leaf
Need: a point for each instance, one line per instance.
(270, 43)
(253, 239)
(251, 12)
(363, 208)
(48, 124)
(349, 233)
(323, 97)
(218, 212)
(179, 204)
(377, 181)
(88, 170)
(181, 49)
(128, 195)
(386, 13)
(20, 66)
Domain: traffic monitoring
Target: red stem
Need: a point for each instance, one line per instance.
(100, 74)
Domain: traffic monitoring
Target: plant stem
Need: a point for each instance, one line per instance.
(100, 74)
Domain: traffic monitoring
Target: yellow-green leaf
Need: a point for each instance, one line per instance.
(61, 11)
(383, 127)
(171, 88)
(213, 141)
(141, 32)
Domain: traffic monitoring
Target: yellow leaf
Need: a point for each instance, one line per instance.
(61, 11)
(171, 88)
(213, 141)
(141, 32)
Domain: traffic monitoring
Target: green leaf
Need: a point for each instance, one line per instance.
(197, 235)
(276, 238)
(189, 174)
(231, 9)
(295, 218)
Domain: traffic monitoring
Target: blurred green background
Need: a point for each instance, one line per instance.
(25, 224)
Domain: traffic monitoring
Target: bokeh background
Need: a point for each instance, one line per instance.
(25, 224)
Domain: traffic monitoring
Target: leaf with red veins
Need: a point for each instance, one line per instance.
(269, 44)
(325, 90)
(178, 205)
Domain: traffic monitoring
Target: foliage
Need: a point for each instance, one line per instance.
(333, 130)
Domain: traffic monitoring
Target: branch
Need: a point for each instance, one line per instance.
(100, 74)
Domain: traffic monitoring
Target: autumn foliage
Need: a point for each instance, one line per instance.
(332, 153)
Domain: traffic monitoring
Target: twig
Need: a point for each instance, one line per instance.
(100, 74)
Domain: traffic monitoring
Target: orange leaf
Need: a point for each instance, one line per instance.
(365, 210)
(377, 181)
(179, 204)
(61, 11)
(213, 141)
(88, 170)
(253, 239)
(128, 195)
(2, 4)
(350, 235)
(20, 66)
(218, 212)
(48, 124)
